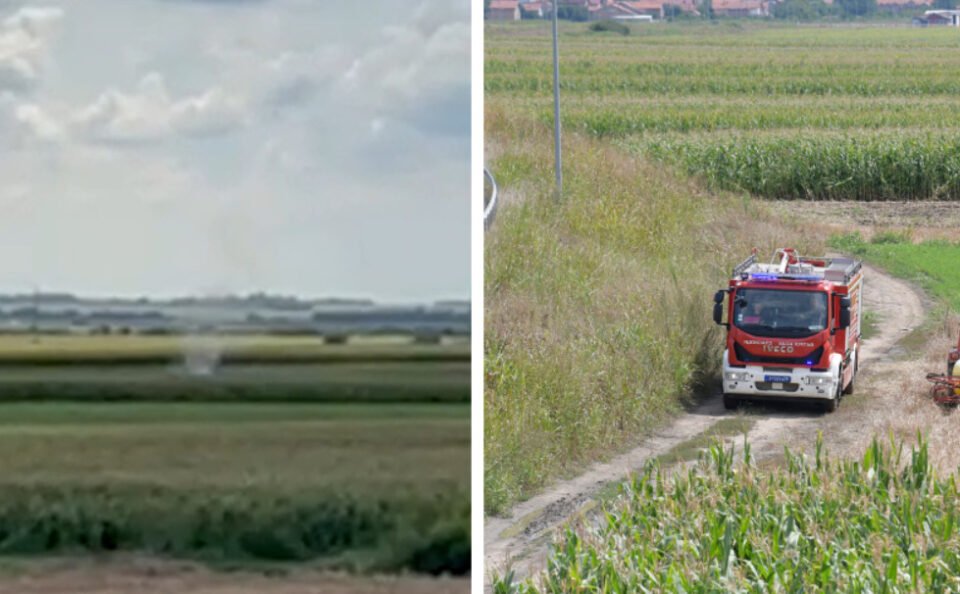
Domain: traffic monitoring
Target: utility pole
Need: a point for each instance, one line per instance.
(558, 164)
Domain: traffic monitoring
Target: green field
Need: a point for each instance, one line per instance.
(21, 349)
(347, 456)
(817, 113)
(244, 369)
(933, 265)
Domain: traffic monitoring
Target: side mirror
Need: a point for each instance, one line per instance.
(844, 313)
(718, 313)
(719, 295)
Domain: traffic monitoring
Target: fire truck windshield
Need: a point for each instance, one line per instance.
(776, 313)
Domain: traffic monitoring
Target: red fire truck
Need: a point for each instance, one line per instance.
(793, 329)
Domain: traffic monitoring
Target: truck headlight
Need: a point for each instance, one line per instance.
(819, 380)
(736, 376)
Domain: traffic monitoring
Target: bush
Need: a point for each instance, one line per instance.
(891, 237)
(610, 26)
(335, 338)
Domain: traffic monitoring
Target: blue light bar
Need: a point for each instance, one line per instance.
(768, 276)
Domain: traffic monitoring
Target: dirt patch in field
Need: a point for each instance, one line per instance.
(165, 577)
(923, 220)
(895, 401)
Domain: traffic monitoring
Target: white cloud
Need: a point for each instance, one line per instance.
(37, 123)
(24, 37)
(114, 147)
(412, 66)
(214, 112)
(150, 113)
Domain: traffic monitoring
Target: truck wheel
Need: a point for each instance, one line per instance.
(830, 405)
(730, 402)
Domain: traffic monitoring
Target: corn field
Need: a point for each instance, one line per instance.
(883, 523)
(813, 113)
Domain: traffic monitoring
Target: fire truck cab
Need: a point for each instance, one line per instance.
(793, 329)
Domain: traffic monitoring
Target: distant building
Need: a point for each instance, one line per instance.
(950, 18)
(741, 8)
(652, 8)
(535, 10)
(504, 10)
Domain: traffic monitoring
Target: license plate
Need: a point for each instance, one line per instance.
(776, 386)
(777, 379)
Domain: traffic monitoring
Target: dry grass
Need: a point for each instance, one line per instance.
(920, 221)
(896, 402)
(598, 308)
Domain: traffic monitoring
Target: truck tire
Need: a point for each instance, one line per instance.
(730, 402)
(831, 405)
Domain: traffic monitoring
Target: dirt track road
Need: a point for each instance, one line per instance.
(150, 576)
(519, 541)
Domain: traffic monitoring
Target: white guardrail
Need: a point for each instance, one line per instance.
(490, 201)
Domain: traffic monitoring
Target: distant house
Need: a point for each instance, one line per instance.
(898, 6)
(741, 8)
(504, 10)
(652, 8)
(535, 10)
(630, 11)
(950, 18)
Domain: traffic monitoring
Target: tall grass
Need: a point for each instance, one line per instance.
(883, 523)
(597, 307)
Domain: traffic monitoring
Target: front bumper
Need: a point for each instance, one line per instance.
(750, 381)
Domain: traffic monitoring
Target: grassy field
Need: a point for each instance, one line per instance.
(933, 265)
(323, 454)
(817, 113)
(238, 368)
(371, 485)
(883, 523)
(21, 349)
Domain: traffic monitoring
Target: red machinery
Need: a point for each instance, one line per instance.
(946, 388)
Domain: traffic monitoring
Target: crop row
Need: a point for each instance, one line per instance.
(818, 166)
(878, 524)
(381, 531)
(757, 84)
(621, 118)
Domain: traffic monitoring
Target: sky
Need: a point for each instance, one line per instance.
(174, 147)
